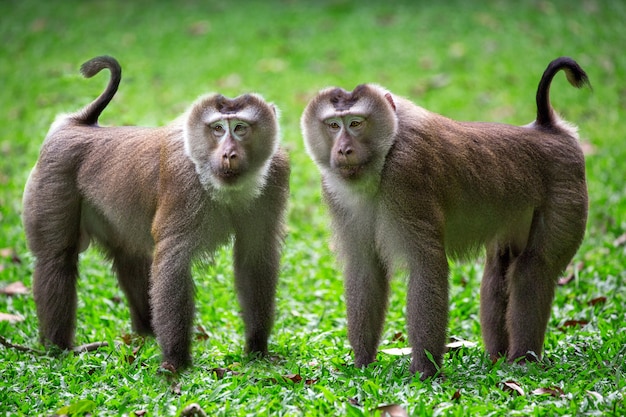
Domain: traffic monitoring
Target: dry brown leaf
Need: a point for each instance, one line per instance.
(193, 410)
(597, 300)
(392, 410)
(127, 338)
(295, 378)
(456, 396)
(221, 372)
(573, 323)
(552, 391)
(15, 288)
(353, 401)
(201, 333)
(512, 386)
(398, 337)
(11, 318)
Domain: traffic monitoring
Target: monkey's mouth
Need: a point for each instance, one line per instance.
(351, 172)
(228, 176)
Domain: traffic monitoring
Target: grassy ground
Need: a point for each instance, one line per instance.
(468, 60)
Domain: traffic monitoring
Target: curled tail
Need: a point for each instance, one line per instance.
(89, 115)
(576, 77)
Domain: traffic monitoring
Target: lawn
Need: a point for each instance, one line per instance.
(468, 60)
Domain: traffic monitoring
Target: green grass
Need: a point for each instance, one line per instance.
(467, 60)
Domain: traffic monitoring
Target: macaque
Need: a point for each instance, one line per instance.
(407, 185)
(155, 199)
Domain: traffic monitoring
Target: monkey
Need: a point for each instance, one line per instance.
(408, 187)
(154, 199)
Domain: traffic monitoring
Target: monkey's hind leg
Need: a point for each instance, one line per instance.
(555, 235)
(54, 290)
(427, 310)
(51, 222)
(494, 300)
(133, 273)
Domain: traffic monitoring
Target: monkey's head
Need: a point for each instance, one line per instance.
(231, 141)
(349, 133)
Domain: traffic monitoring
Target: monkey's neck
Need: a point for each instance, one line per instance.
(363, 190)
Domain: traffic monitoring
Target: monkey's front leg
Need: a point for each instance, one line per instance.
(256, 266)
(367, 293)
(172, 299)
(427, 308)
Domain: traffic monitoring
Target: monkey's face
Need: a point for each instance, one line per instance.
(350, 133)
(349, 153)
(230, 139)
(228, 159)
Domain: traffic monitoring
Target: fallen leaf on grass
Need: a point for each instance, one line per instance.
(552, 391)
(455, 345)
(456, 396)
(221, 372)
(573, 323)
(597, 300)
(398, 337)
(15, 288)
(620, 241)
(460, 343)
(89, 347)
(596, 395)
(11, 254)
(572, 270)
(201, 334)
(512, 386)
(397, 351)
(392, 410)
(193, 410)
(11, 318)
(140, 413)
(295, 378)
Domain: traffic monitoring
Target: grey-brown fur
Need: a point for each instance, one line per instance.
(406, 184)
(138, 193)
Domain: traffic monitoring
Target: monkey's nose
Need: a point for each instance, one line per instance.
(345, 151)
(229, 160)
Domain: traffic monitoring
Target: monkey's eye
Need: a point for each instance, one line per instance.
(355, 123)
(241, 129)
(218, 129)
(333, 125)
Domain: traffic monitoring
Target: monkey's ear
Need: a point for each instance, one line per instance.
(390, 100)
(275, 109)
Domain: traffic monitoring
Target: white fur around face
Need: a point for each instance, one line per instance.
(204, 128)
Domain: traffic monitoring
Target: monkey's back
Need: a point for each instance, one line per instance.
(484, 176)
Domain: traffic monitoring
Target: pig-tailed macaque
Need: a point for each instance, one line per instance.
(405, 184)
(154, 199)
